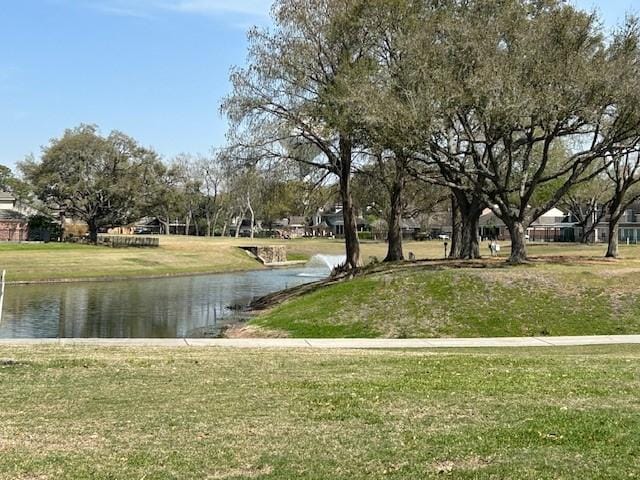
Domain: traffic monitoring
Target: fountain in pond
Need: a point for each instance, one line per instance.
(321, 265)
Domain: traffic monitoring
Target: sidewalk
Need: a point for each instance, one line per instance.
(338, 343)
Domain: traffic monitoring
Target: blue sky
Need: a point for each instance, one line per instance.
(155, 69)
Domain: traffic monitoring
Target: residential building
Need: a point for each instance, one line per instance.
(331, 222)
(291, 227)
(553, 226)
(14, 226)
(628, 227)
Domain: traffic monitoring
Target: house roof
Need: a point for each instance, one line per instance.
(12, 216)
(409, 223)
(554, 212)
(145, 221)
(282, 222)
(359, 221)
(298, 221)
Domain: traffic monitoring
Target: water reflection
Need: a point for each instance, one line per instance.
(158, 308)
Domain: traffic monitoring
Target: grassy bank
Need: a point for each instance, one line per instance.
(572, 297)
(80, 413)
(176, 255)
(38, 262)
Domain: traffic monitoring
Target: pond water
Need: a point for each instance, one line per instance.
(195, 306)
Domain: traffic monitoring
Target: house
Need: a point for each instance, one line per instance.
(245, 227)
(553, 226)
(628, 226)
(331, 221)
(291, 227)
(409, 227)
(14, 226)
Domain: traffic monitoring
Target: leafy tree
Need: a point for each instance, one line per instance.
(164, 198)
(292, 90)
(371, 194)
(100, 180)
(517, 78)
(10, 183)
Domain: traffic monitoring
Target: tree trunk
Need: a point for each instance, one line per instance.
(517, 231)
(208, 219)
(469, 245)
(352, 244)
(589, 227)
(187, 224)
(612, 246)
(470, 208)
(239, 224)
(93, 231)
(456, 229)
(165, 224)
(394, 234)
(585, 234)
(253, 215)
(215, 224)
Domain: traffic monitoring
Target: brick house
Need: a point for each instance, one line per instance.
(14, 226)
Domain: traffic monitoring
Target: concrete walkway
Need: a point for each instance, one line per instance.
(339, 343)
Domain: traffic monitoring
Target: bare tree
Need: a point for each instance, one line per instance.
(211, 172)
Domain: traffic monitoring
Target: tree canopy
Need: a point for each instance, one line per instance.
(101, 180)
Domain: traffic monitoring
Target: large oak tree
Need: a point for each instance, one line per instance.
(102, 181)
(518, 80)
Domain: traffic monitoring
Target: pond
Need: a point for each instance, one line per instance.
(177, 307)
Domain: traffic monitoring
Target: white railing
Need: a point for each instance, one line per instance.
(4, 272)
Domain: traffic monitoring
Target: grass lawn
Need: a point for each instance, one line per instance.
(84, 413)
(577, 296)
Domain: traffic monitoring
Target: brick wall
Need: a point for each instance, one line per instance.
(11, 231)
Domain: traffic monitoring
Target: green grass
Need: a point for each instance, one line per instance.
(543, 299)
(82, 413)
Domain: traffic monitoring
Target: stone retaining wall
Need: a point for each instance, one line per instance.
(268, 254)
